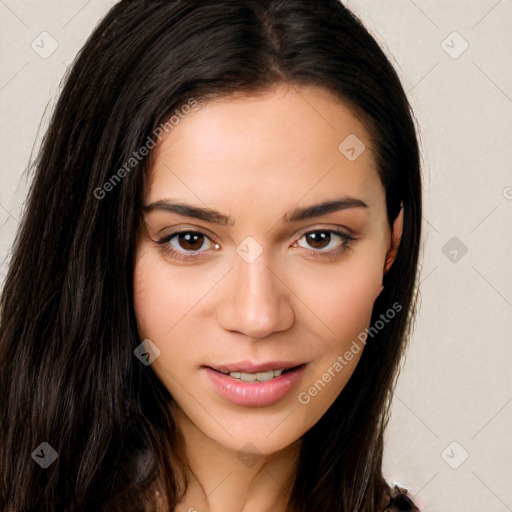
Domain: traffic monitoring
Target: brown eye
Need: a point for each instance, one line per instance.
(187, 246)
(318, 239)
(327, 244)
(190, 241)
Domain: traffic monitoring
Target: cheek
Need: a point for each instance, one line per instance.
(159, 300)
(165, 304)
(158, 304)
(158, 311)
(148, 297)
(345, 306)
(358, 293)
(343, 298)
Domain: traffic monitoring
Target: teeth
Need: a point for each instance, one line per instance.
(264, 376)
(247, 377)
(259, 376)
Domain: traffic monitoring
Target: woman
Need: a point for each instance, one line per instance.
(215, 277)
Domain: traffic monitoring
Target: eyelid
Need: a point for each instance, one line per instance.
(205, 231)
(198, 256)
(173, 230)
(337, 228)
(185, 257)
(347, 240)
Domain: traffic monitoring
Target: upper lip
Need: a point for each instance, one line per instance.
(246, 366)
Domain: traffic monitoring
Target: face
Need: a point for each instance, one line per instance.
(237, 272)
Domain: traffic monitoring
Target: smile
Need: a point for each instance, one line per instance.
(255, 388)
(253, 377)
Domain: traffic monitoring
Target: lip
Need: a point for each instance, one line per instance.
(248, 367)
(255, 394)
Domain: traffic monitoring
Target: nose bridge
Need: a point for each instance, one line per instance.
(257, 289)
(256, 302)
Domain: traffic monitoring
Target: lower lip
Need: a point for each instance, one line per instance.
(254, 394)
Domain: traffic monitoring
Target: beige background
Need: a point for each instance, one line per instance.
(454, 397)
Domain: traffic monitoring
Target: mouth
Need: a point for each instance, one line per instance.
(252, 385)
(260, 376)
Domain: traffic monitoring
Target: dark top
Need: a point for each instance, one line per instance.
(399, 501)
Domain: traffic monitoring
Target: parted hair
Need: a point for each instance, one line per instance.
(68, 375)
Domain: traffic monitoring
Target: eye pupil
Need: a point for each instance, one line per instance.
(318, 239)
(191, 239)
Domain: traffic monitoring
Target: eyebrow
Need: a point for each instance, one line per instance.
(215, 217)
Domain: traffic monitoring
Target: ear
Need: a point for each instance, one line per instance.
(396, 236)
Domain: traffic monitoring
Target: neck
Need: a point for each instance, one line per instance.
(226, 480)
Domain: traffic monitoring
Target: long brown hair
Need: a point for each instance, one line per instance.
(68, 375)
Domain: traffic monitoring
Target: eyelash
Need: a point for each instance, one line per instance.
(331, 255)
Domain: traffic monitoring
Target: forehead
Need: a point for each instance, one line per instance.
(279, 143)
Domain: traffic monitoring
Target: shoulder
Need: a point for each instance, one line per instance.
(400, 501)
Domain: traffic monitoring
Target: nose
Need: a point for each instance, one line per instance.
(255, 300)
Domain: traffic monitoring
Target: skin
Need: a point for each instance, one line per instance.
(257, 158)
